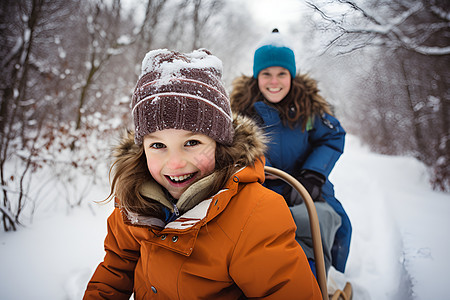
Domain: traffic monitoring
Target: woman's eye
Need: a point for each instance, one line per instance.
(192, 143)
(157, 145)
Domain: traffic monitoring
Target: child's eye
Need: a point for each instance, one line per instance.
(192, 143)
(157, 145)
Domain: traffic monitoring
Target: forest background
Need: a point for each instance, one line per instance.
(69, 67)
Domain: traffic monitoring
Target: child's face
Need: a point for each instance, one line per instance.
(178, 158)
(274, 83)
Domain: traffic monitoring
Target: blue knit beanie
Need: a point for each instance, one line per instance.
(274, 52)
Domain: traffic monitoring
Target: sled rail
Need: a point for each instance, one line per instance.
(314, 224)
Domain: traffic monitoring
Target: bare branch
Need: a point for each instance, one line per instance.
(7, 216)
(355, 7)
(397, 31)
(322, 13)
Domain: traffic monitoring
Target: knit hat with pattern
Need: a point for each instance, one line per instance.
(182, 91)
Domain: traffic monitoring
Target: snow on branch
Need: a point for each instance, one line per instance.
(400, 30)
(445, 15)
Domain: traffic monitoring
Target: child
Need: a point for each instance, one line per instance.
(306, 141)
(192, 220)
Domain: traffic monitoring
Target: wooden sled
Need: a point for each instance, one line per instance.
(347, 292)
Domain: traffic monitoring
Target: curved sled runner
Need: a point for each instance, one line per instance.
(347, 292)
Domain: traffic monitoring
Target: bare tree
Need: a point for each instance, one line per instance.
(103, 27)
(40, 70)
(148, 27)
(223, 27)
(23, 105)
(411, 43)
(201, 13)
(390, 24)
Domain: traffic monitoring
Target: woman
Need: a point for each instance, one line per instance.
(305, 141)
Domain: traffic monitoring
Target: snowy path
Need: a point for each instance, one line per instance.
(400, 227)
(399, 246)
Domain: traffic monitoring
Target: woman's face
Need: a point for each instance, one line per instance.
(178, 158)
(274, 83)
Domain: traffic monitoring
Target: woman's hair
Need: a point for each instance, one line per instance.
(129, 171)
(244, 94)
(301, 103)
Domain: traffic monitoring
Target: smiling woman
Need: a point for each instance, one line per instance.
(306, 140)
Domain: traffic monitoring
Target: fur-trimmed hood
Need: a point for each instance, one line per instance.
(249, 145)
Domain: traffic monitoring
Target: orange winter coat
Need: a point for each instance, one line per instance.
(238, 244)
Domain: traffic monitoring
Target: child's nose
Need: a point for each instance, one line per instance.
(176, 161)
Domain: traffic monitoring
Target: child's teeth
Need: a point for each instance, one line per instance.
(180, 178)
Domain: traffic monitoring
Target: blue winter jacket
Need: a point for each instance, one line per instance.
(317, 149)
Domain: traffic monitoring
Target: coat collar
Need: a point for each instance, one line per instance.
(193, 204)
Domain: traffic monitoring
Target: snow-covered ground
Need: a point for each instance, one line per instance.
(401, 230)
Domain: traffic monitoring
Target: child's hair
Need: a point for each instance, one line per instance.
(301, 103)
(127, 173)
(129, 170)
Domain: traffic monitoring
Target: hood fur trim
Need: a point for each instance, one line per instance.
(249, 145)
(250, 141)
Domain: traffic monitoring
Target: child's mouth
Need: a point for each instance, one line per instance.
(180, 179)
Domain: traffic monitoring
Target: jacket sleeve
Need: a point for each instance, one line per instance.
(267, 262)
(114, 277)
(327, 139)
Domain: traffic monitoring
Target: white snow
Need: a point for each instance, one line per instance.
(196, 59)
(399, 246)
(275, 39)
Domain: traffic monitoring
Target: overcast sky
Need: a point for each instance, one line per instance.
(275, 13)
